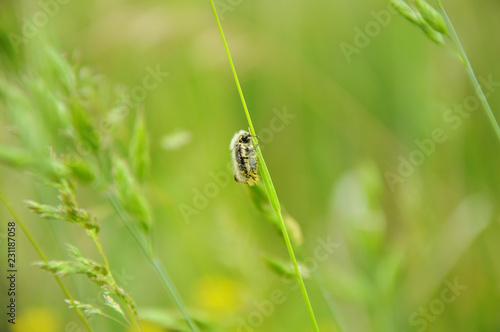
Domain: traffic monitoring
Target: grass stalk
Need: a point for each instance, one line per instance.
(156, 264)
(465, 59)
(318, 279)
(40, 253)
(266, 177)
(130, 312)
(132, 317)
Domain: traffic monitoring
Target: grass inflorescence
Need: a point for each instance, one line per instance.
(65, 143)
(438, 27)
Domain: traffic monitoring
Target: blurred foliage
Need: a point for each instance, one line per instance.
(397, 247)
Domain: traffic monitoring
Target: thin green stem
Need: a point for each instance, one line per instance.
(116, 320)
(294, 262)
(266, 177)
(157, 265)
(318, 279)
(40, 253)
(169, 286)
(130, 312)
(147, 250)
(98, 245)
(454, 51)
(470, 71)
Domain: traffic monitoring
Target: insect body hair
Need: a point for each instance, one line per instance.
(245, 163)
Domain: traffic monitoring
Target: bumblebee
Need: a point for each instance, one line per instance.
(245, 164)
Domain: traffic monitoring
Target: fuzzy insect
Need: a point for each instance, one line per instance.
(245, 164)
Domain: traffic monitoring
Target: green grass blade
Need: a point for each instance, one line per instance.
(156, 263)
(470, 71)
(266, 177)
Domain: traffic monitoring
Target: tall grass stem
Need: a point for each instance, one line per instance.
(470, 71)
(266, 177)
(156, 264)
(40, 253)
(130, 312)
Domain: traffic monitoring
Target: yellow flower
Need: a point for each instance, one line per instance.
(150, 327)
(36, 319)
(218, 294)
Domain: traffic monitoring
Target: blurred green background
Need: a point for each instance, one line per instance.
(398, 246)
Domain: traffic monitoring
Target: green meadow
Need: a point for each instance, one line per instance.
(377, 142)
